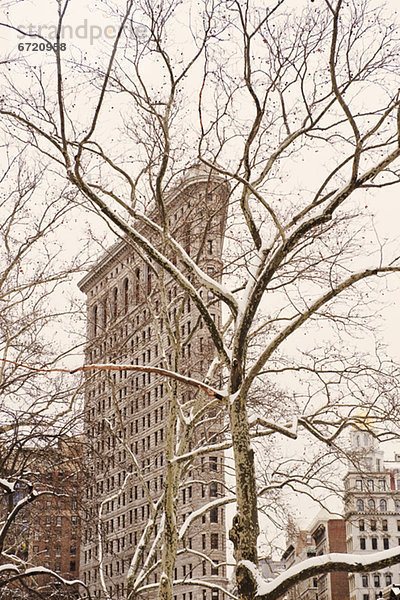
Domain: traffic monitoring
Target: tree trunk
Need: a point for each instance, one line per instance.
(245, 529)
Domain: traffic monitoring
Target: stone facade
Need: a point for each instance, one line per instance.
(372, 513)
(136, 312)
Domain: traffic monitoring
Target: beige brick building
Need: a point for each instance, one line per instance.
(372, 513)
(138, 316)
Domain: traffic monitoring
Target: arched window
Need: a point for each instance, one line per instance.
(115, 302)
(148, 279)
(371, 504)
(382, 505)
(137, 286)
(397, 505)
(360, 505)
(126, 295)
(95, 319)
(105, 314)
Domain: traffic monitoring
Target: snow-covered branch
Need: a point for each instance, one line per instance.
(14, 573)
(325, 563)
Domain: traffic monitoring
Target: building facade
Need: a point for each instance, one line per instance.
(372, 513)
(330, 536)
(301, 548)
(138, 316)
(46, 532)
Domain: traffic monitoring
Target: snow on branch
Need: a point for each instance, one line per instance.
(34, 571)
(326, 563)
(288, 430)
(202, 510)
(7, 485)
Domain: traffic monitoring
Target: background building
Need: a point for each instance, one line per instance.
(330, 536)
(47, 531)
(372, 512)
(131, 308)
(300, 548)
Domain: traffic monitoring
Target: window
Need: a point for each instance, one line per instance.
(364, 580)
(148, 279)
(214, 515)
(377, 580)
(126, 295)
(382, 505)
(360, 505)
(365, 596)
(397, 505)
(213, 463)
(58, 551)
(214, 594)
(388, 579)
(137, 286)
(72, 565)
(384, 525)
(95, 319)
(382, 485)
(359, 484)
(362, 543)
(57, 567)
(374, 543)
(361, 525)
(386, 543)
(58, 521)
(213, 489)
(214, 570)
(115, 302)
(373, 525)
(214, 541)
(371, 504)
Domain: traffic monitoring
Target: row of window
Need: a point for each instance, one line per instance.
(57, 566)
(373, 525)
(57, 550)
(371, 505)
(58, 521)
(128, 293)
(120, 299)
(374, 543)
(375, 580)
(371, 484)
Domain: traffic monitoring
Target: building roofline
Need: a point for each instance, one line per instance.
(115, 249)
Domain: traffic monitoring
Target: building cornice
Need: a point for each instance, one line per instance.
(114, 252)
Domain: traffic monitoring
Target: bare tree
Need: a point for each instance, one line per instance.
(278, 89)
(37, 411)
